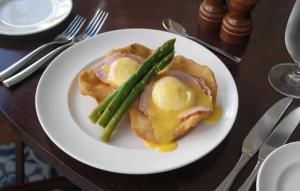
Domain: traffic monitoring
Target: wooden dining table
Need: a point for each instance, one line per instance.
(265, 48)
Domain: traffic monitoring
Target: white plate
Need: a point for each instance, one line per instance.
(63, 112)
(24, 17)
(281, 170)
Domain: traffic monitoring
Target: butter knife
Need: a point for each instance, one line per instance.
(255, 139)
(278, 137)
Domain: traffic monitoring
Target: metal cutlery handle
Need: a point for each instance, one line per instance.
(216, 49)
(16, 66)
(227, 182)
(33, 67)
(248, 183)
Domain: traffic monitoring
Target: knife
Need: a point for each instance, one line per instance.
(255, 139)
(278, 137)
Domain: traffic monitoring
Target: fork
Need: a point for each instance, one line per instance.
(92, 29)
(66, 36)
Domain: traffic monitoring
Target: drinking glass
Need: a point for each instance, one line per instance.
(285, 78)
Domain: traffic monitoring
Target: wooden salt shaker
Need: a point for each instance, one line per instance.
(210, 15)
(236, 24)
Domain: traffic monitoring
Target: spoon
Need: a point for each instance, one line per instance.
(177, 28)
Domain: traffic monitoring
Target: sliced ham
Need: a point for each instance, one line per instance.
(144, 98)
(188, 79)
(108, 60)
(204, 87)
(194, 111)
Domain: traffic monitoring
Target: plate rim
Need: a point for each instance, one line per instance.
(147, 171)
(43, 29)
(270, 157)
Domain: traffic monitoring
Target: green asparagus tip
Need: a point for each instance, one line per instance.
(171, 41)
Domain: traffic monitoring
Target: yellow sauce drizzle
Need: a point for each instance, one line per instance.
(215, 116)
(162, 148)
(167, 147)
(164, 122)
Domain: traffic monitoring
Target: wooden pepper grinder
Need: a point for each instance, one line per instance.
(236, 24)
(210, 15)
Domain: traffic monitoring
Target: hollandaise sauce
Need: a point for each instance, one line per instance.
(162, 148)
(215, 116)
(170, 97)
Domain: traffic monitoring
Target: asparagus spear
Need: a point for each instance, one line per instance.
(95, 114)
(125, 89)
(133, 94)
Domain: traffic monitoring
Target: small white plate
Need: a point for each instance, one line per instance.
(63, 111)
(281, 170)
(24, 17)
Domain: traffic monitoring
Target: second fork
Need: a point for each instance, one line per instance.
(67, 35)
(92, 29)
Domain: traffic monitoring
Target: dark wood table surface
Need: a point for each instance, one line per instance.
(265, 48)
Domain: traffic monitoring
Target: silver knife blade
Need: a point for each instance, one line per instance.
(281, 133)
(255, 138)
(278, 137)
(259, 133)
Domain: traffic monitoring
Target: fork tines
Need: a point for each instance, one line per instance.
(96, 23)
(74, 26)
